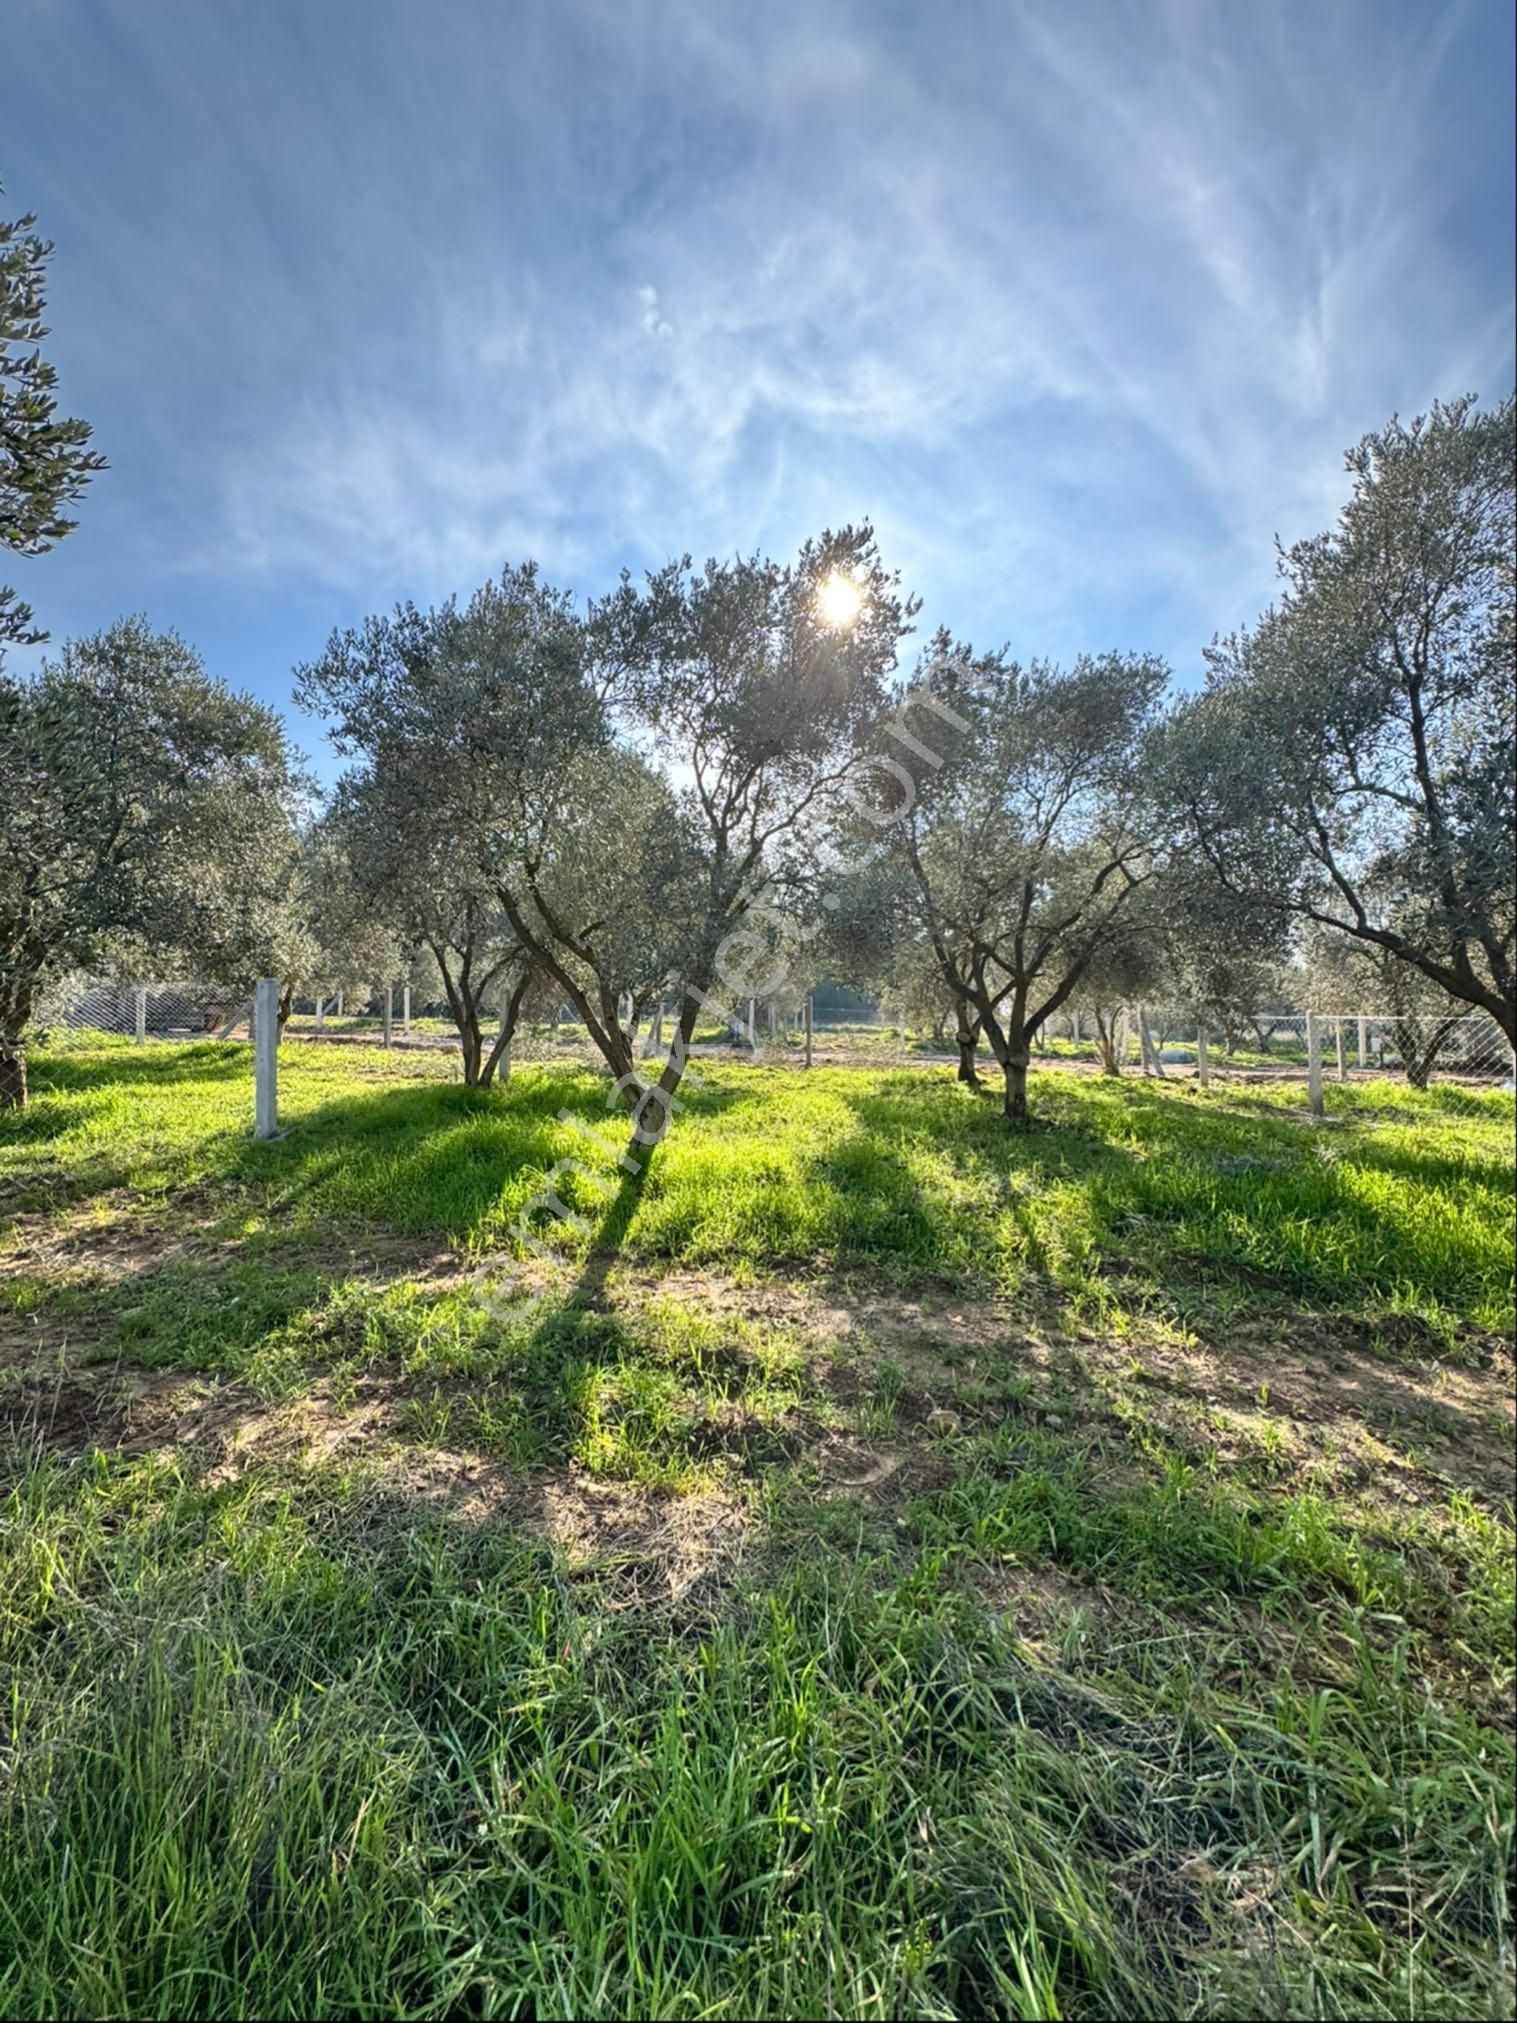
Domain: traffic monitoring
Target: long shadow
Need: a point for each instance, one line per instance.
(53, 1078)
(589, 1288)
(436, 1155)
(1163, 1133)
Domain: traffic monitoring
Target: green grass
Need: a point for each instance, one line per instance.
(1140, 1198)
(895, 1566)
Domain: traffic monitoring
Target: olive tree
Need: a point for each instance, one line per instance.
(494, 812)
(1031, 842)
(1351, 758)
(876, 938)
(127, 773)
(45, 459)
(756, 687)
(1123, 973)
(394, 869)
(1224, 966)
(635, 783)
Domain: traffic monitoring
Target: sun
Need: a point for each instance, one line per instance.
(839, 600)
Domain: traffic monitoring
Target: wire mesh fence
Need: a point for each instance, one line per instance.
(82, 1005)
(1157, 1043)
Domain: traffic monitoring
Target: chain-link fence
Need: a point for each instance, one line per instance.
(1422, 1047)
(1161, 1044)
(81, 1005)
(1279, 1045)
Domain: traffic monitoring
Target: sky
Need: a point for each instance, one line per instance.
(1080, 305)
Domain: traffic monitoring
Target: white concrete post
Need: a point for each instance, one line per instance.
(1338, 1042)
(139, 1008)
(752, 1026)
(339, 1004)
(389, 1015)
(1314, 1063)
(1122, 1038)
(1074, 1027)
(266, 1058)
(808, 1029)
(1364, 1041)
(321, 1014)
(1203, 1063)
(405, 1010)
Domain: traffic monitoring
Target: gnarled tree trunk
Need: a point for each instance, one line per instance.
(1014, 1068)
(17, 997)
(12, 1074)
(969, 1040)
(1106, 1033)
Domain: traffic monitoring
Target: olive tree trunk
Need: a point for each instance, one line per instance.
(16, 1000)
(969, 1040)
(12, 1074)
(1014, 1068)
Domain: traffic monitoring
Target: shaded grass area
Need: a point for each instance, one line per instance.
(1029, 1648)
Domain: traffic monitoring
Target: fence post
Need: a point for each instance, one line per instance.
(1364, 1041)
(139, 1008)
(339, 1004)
(808, 1029)
(1314, 1063)
(752, 1028)
(1074, 1027)
(1203, 1064)
(266, 1057)
(405, 1008)
(389, 1014)
(1338, 1042)
(1122, 1039)
(321, 1014)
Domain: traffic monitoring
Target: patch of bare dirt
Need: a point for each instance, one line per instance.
(869, 1468)
(131, 1411)
(1410, 1429)
(89, 1240)
(106, 1241)
(1045, 1608)
(1315, 1396)
(648, 1549)
(929, 1332)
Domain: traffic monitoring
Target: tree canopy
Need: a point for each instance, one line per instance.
(1031, 844)
(45, 458)
(138, 796)
(1351, 758)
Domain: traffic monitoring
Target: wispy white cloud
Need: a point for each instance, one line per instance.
(1082, 304)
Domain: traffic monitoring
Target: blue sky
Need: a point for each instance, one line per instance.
(1080, 304)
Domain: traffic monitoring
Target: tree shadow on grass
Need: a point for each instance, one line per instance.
(56, 1078)
(437, 1156)
(1176, 1185)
